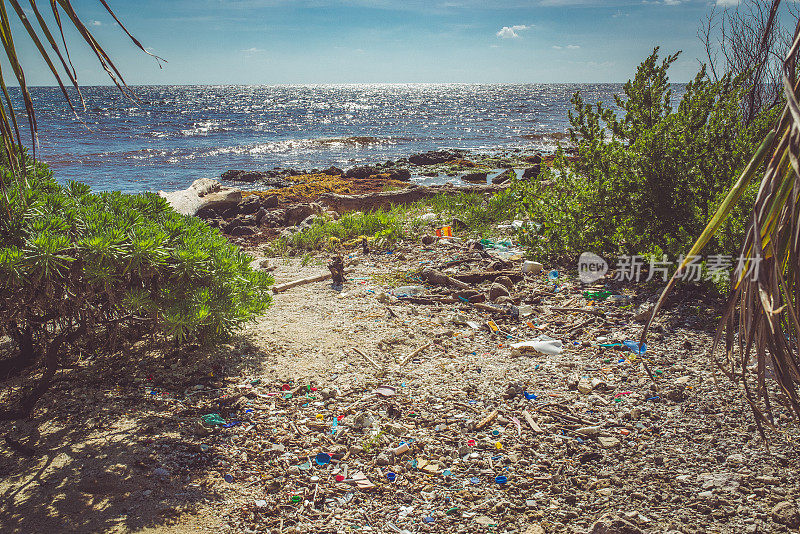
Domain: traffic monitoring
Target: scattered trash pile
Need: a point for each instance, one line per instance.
(516, 401)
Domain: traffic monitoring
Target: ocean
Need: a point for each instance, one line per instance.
(172, 135)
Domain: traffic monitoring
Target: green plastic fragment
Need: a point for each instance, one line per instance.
(597, 295)
(213, 419)
(453, 510)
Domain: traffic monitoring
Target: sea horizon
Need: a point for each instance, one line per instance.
(171, 135)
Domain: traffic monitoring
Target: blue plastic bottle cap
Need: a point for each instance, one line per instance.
(427, 519)
(447, 473)
(495, 432)
(323, 458)
(501, 479)
(228, 478)
(390, 476)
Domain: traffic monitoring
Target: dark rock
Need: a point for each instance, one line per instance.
(273, 218)
(785, 513)
(592, 456)
(536, 159)
(359, 173)
(475, 177)
(428, 240)
(300, 212)
(531, 172)
(260, 215)
(249, 205)
(333, 171)
(430, 173)
(506, 281)
(270, 202)
(676, 394)
(242, 230)
(497, 291)
(504, 176)
(401, 175)
(433, 157)
(242, 176)
(503, 299)
(229, 226)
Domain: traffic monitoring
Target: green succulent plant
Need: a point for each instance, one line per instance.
(82, 269)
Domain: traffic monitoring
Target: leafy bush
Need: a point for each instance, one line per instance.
(649, 180)
(383, 226)
(81, 271)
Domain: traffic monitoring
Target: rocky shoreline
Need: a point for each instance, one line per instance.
(282, 200)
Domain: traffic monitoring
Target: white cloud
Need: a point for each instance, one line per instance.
(572, 47)
(672, 2)
(510, 32)
(556, 47)
(727, 3)
(96, 23)
(568, 47)
(252, 50)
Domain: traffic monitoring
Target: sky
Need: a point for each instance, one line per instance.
(384, 41)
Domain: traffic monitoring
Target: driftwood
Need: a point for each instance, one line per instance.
(289, 285)
(310, 280)
(413, 354)
(438, 278)
(385, 199)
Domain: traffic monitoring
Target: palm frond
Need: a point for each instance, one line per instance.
(760, 324)
(58, 61)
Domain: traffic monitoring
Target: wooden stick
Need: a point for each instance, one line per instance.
(487, 420)
(302, 281)
(414, 354)
(288, 285)
(370, 360)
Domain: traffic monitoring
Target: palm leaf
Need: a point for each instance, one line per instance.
(760, 323)
(62, 68)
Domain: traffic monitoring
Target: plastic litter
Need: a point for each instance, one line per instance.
(635, 348)
(532, 267)
(408, 291)
(542, 344)
(213, 419)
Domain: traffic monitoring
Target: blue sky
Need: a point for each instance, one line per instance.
(361, 41)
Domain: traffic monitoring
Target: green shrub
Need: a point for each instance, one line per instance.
(649, 180)
(80, 271)
(380, 226)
